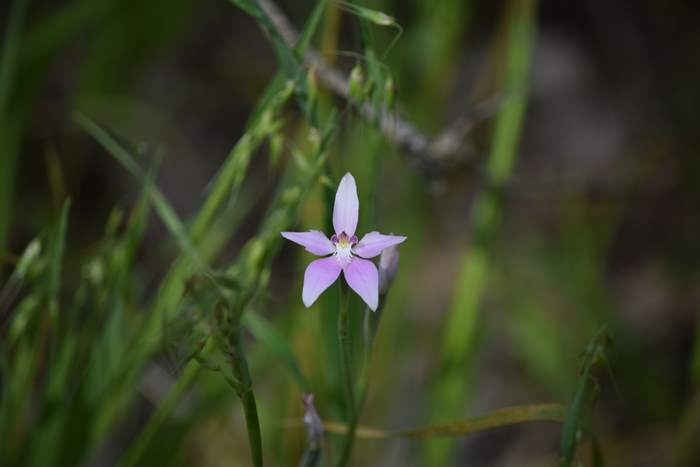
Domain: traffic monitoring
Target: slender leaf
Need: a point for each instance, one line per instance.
(497, 419)
(160, 203)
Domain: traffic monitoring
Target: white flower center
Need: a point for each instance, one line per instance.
(343, 252)
(343, 248)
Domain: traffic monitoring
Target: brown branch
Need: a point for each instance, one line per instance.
(434, 155)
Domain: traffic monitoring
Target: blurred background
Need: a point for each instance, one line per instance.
(581, 212)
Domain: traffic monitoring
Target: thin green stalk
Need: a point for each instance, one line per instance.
(242, 384)
(253, 425)
(346, 368)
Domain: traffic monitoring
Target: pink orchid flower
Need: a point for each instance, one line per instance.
(346, 253)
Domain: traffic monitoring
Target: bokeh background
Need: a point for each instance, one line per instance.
(596, 223)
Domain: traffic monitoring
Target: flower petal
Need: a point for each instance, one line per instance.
(314, 241)
(346, 206)
(363, 278)
(373, 243)
(319, 275)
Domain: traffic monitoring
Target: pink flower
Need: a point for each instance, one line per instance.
(346, 253)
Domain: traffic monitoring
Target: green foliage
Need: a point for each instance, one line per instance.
(191, 353)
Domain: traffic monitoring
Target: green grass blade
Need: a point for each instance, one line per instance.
(229, 180)
(290, 60)
(286, 57)
(310, 28)
(160, 203)
(58, 248)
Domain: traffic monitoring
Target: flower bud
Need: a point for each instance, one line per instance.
(356, 84)
(312, 84)
(388, 266)
(314, 426)
(276, 142)
(31, 254)
(382, 19)
(389, 92)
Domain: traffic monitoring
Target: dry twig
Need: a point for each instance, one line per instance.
(434, 155)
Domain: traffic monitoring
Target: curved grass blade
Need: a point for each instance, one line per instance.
(227, 183)
(58, 246)
(56, 254)
(286, 57)
(160, 203)
(496, 419)
(310, 28)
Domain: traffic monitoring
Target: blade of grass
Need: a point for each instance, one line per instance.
(57, 252)
(225, 189)
(287, 58)
(58, 248)
(461, 322)
(209, 215)
(496, 419)
(160, 203)
(253, 270)
(310, 27)
(229, 180)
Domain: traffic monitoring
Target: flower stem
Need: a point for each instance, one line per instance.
(346, 368)
(253, 427)
(242, 384)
